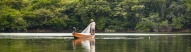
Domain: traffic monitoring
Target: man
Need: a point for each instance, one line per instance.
(92, 27)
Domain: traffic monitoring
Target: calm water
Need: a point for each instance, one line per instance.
(170, 43)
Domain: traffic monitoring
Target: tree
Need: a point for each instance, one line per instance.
(11, 20)
(177, 23)
(150, 23)
(56, 23)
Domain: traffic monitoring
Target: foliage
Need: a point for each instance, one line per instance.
(56, 23)
(149, 24)
(11, 20)
(140, 15)
(177, 23)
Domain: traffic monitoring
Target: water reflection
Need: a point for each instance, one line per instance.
(87, 43)
(103, 44)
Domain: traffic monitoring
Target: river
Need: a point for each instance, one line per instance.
(103, 42)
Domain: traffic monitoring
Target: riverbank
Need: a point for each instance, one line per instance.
(98, 31)
(97, 34)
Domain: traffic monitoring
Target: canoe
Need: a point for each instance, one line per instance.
(81, 35)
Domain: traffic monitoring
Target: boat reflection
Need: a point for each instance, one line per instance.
(87, 43)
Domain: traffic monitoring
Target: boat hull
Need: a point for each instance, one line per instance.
(80, 35)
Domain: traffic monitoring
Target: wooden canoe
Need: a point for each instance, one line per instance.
(81, 35)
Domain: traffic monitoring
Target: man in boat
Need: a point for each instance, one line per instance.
(92, 27)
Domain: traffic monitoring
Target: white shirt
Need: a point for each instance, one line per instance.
(92, 24)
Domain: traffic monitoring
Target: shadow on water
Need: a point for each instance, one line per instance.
(88, 44)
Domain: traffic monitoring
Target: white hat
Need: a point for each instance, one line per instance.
(92, 19)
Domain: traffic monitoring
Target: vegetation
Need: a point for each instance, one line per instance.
(110, 15)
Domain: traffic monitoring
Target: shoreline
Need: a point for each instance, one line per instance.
(97, 31)
(97, 34)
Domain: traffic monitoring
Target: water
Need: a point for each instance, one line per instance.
(149, 43)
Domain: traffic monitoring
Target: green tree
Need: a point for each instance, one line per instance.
(150, 23)
(12, 20)
(177, 23)
(56, 23)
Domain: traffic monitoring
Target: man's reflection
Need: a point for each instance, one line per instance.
(88, 44)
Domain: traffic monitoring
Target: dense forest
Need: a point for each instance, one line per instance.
(109, 15)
